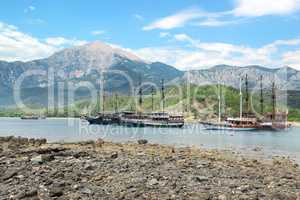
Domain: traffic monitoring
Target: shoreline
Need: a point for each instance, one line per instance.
(138, 170)
(295, 124)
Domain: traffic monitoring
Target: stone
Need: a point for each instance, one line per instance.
(114, 155)
(142, 141)
(153, 182)
(56, 192)
(223, 197)
(86, 191)
(88, 167)
(42, 159)
(99, 142)
(10, 173)
(200, 178)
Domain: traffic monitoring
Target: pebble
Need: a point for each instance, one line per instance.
(142, 141)
(137, 171)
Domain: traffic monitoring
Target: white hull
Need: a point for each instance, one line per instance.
(227, 127)
(150, 123)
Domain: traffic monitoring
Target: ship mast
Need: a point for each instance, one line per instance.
(273, 101)
(152, 99)
(220, 93)
(116, 103)
(163, 95)
(103, 91)
(103, 101)
(261, 96)
(241, 100)
(247, 95)
(140, 92)
(98, 101)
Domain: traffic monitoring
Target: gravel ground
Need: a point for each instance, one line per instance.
(34, 169)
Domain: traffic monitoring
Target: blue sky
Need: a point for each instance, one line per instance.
(188, 34)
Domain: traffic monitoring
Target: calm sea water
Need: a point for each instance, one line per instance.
(284, 143)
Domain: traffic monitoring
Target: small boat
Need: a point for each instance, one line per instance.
(30, 117)
(104, 119)
(233, 124)
(158, 119)
(245, 122)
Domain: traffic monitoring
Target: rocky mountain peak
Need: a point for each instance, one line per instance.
(95, 55)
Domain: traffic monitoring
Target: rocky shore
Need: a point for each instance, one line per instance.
(34, 169)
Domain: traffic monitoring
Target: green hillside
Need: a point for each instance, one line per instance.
(199, 102)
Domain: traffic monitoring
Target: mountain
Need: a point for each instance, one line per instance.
(285, 78)
(81, 63)
(123, 70)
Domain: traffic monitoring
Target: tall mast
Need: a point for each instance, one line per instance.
(247, 95)
(273, 101)
(116, 103)
(152, 99)
(102, 88)
(220, 91)
(261, 96)
(98, 101)
(163, 94)
(241, 100)
(140, 92)
(103, 102)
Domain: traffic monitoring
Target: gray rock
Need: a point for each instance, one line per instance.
(114, 155)
(10, 173)
(42, 159)
(200, 178)
(142, 141)
(99, 142)
(56, 192)
(153, 182)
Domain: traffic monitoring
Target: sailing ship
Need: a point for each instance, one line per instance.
(104, 118)
(273, 120)
(138, 119)
(245, 122)
(249, 121)
(30, 117)
(153, 119)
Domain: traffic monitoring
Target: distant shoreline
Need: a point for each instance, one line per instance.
(296, 124)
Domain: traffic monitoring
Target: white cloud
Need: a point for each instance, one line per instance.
(164, 34)
(177, 20)
(254, 8)
(204, 55)
(29, 9)
(138, 17)
(61, 41)
(98, 32)
(292, 58)
(243, 9)
(183, 37)
(16, 45)
(212, 22)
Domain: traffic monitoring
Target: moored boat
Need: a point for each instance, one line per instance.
(104, 119)
(158, 119)
(233, 124)
(30, 117)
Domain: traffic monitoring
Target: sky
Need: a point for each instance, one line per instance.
(187, 34)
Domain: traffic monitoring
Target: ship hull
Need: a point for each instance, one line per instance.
(101, 121)
(136, 123)
(29, 118)
(225, 127)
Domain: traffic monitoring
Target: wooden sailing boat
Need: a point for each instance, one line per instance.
(240, 123)
(103, 118)
(153, 119)
(274, 120)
